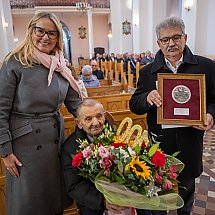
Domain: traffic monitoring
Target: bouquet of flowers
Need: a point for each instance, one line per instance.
(130, 169)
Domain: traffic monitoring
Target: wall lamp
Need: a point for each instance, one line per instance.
(187, 7)
(5, 25)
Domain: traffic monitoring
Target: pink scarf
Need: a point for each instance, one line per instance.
(56, 63)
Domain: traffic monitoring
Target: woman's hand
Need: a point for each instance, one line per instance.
(114, 208)
(10, 163)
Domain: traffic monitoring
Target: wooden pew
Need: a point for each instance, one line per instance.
(106, 82)
(83, 62)
(106, 90)
(114, 102)
(118, 116)
(109, 89)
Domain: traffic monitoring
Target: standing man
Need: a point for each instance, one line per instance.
(98, 73)
(175, 57)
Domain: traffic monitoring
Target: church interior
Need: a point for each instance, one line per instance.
(102, 29)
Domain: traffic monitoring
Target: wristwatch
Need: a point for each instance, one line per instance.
(4, 156)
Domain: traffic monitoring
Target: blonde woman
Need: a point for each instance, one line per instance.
(34, 82)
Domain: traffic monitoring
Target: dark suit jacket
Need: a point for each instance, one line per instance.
(81, 189)
(99, 74)
(172, 140)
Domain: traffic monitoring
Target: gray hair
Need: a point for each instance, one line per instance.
(87, 103)
(170, 22)
(86, 70)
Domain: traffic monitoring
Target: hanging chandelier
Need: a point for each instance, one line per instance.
(82, 6)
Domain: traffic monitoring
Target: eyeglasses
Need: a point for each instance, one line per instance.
(40, 32)
(93, 65)
(176, 38)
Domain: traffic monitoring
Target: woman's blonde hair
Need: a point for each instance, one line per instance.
(24, 51)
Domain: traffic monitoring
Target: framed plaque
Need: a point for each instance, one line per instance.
(183, 99)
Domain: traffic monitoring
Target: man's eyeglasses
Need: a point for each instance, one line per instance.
(93, 65)
(40, 32)
(176, 38)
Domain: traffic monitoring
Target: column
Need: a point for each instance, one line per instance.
(189, 15)
(115, 18)
(150, 14)
(90, 33)
(135, 26)
(6, 29)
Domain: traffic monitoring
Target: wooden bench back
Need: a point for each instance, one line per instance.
(105, 90)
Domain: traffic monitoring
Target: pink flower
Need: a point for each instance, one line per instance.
(87, 152)
(105, 163)
(76, 161)
(173, 172)
(158, 178)
(167, 185)
(103, 152)
(107, 172)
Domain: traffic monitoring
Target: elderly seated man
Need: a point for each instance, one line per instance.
(97, 72)
(88, 78)
(90, 123)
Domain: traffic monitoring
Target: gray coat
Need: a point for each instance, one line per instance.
(32, 128)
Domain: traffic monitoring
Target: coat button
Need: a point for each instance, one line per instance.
(39, 147)
(55, 125)
(56, 141)
(38, 130)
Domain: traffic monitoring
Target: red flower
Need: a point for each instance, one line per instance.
(117, 145)
(159, 159)
(143, 145)
(76, 161)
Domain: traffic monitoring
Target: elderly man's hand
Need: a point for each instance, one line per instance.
(208, 125)
(154, 98)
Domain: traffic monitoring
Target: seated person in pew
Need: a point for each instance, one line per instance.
(80, 83)
(90, 121)
(88, 78)
(97, 72)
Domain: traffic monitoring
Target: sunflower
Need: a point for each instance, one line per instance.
(140, 168)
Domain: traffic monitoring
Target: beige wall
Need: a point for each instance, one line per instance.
(79, 46)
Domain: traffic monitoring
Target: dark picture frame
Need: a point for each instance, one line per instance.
(82, 31)
(126, 27)
(183, 99)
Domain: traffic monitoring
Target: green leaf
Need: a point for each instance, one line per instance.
(145, 158)
(120, 166)
(153, 149)
(137, 149)
(175, 154)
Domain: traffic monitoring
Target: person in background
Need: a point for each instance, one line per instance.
(147, 59)
(80, 83)
(174, 56)
(112, 57)
(34, 82)
(90, 123)
(88, 78)
(98, 73)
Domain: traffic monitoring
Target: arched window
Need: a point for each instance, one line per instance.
(67, 42)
